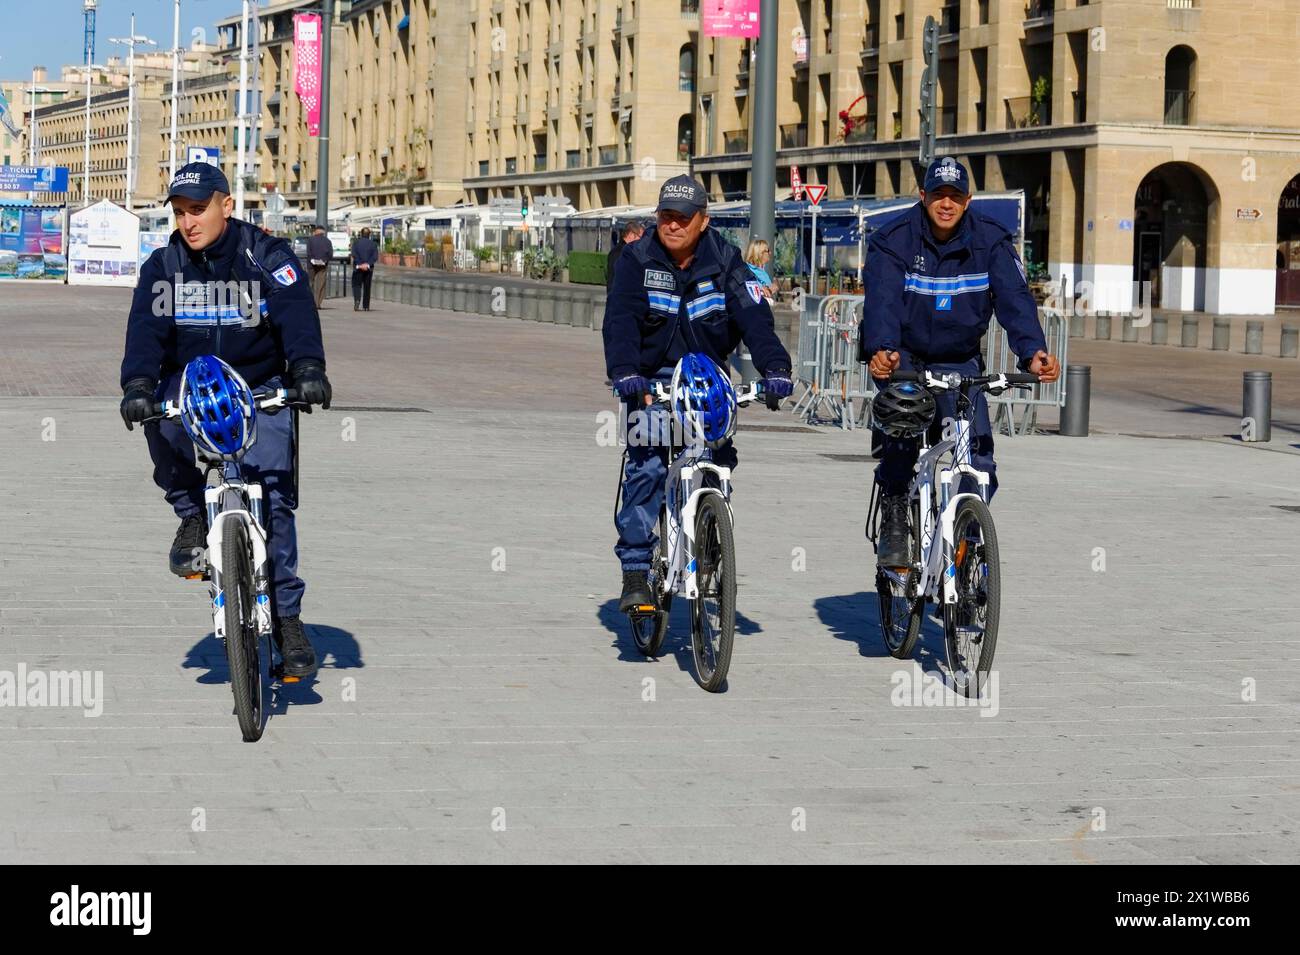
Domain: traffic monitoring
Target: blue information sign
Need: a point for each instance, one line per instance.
(33, 178)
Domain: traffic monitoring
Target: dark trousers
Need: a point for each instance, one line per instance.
(269, 462)
(361, 286)
(894, 472)
(643, 486)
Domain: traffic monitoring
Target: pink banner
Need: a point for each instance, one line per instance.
(730, 18)
(306, 67)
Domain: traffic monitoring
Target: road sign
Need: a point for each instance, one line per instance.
(796, 183)
(207, 154)
(815, 193)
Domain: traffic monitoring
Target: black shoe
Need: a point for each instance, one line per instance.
(893, 549)
(188, 556)
(636, 591)
(296, 651)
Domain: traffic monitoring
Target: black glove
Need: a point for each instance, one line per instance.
(777, 385)
(137, 401)
(632, 389)
(309, 378)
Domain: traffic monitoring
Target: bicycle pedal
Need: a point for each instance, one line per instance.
(290, 679)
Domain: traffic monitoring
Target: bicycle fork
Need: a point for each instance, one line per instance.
(217, 520)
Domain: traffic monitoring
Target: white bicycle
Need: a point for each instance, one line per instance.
(953, 544)
(238, 571)
(695, 556)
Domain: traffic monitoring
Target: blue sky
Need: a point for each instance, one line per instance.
(56, 40)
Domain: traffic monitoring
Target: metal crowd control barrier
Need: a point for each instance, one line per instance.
(829, 372)
(998, 357)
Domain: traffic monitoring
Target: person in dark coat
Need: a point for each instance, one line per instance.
(319, 252)
(365, 253)
(633, 229)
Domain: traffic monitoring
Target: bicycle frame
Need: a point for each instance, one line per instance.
(931, 479)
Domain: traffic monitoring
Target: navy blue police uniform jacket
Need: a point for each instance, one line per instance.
(655, 311)
(264, 317)
(934, 300)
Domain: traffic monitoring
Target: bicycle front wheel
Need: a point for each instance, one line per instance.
(713, 612)
(242, 650)
(971, 624)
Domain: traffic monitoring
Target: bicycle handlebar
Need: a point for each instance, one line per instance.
(269, 401)
(744, 394)
(950, 380)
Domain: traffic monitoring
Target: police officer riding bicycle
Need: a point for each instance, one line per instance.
(679, 288)
(934, 278)
(224, 287)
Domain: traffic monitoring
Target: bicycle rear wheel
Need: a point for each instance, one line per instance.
(971, 624)
(248, 661)
(713, 612)
(902, 610)
(649, 630)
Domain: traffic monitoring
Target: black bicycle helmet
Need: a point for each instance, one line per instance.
(903, 409)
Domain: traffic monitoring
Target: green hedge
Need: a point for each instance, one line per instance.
(587, 268)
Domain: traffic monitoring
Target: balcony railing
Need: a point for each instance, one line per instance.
(948, 121)
(690, 8)
(1080, 98)
(871, 37)
(1022, 112)
(863, 132)
(608, 155)
(794, 136)
(572, 159)
(981, 118)
(1181, 4)
(1178, 107)
(950, 20)
(735, 141)
(1039, 9)
(539, 164)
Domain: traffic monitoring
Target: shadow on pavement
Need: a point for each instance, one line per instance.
(1213, 411)
(856, 618)
(677, 642)
(336, 649)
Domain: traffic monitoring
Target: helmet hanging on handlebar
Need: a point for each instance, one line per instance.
(217, 407)
(903, 409)
(704, 403)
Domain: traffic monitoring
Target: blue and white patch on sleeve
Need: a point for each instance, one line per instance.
(755, 290)
(285, 274)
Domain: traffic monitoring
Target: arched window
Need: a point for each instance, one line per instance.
(686, 68)
(1180, 86)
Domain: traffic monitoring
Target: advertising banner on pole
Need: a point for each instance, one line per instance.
(31, 242)
(306, 66)
(103, 245)
(730, 18)
(33, 178)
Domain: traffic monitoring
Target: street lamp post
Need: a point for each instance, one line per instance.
(176, 55)
(89, 8)
(323, 155)
(130, 42)
(241, 115)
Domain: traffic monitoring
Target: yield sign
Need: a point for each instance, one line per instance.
(815, 193)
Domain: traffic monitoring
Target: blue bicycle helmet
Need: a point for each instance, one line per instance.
(704, 402)
(217, 407)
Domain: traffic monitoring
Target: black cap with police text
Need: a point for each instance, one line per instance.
(682, 194)
(947, 171)
(198, 180)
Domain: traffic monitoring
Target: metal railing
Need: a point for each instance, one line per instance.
(829, 375)
(1178, 107)
(794, 135)
(1022, 112)
(1016, 410)
(735, 141)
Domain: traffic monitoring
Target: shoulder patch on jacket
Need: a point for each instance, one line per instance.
(755, 290)
(285, 274)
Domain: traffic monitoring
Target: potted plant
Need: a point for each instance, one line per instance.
(484, 254)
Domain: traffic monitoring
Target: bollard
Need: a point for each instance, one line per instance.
(1102, 331)
(596, 312)
(1254, 338)
(1256, 405)
(528, 306)
(1076, 325)
(515, 301)
(1128, 330)
(1191, 331)
(426, 295)
(1159, 329)
(1222, 334)
(458, 294)
(407, 291)
(546, 304)
(1290, 346)
(1078, 394)
(566, 306)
